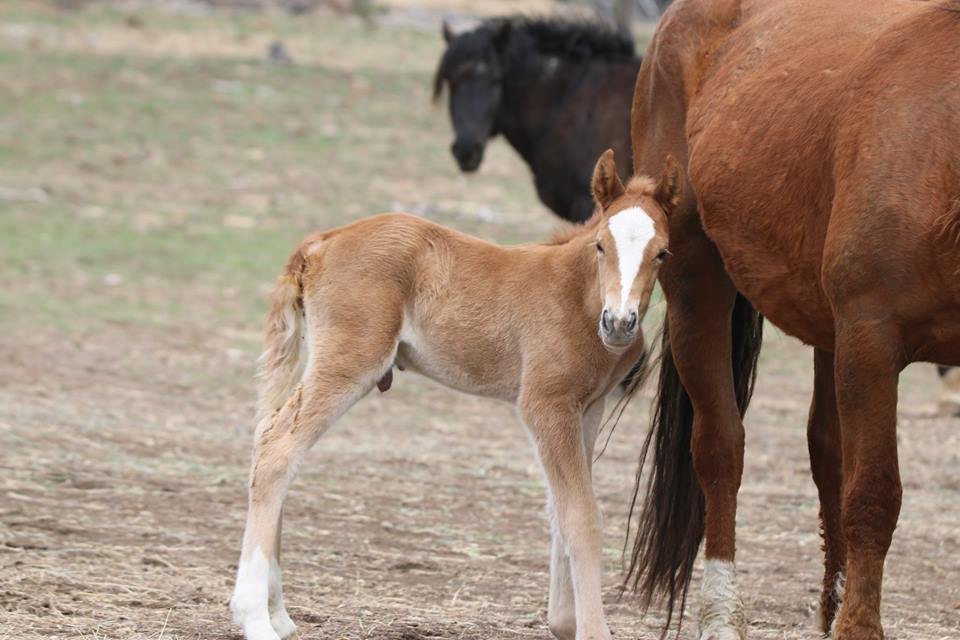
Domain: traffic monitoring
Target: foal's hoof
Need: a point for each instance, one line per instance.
(563, 630)
(259, 630)
(282, 624)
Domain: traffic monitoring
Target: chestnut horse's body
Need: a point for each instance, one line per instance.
(821, 141)
(551, 328)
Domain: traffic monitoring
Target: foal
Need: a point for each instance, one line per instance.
(551, 328)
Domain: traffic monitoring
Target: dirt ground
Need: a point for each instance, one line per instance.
(149, 192)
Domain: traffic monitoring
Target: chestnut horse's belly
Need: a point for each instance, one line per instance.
(780, 280)
(765, 208)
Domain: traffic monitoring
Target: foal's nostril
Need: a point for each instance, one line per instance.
(632, 322)
(605, 321)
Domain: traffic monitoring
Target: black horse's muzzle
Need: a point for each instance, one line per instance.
(469, 154)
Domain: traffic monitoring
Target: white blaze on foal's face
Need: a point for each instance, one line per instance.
(632, 230)
(629, 252)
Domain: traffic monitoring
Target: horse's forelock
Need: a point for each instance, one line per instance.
(455, 50)
(443, 70)
(641, 185)
(438, 82)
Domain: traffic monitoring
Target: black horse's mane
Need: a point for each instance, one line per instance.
(570, 38)
(531, 37)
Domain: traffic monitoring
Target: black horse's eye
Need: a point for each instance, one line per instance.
(599, 247)
(662, 255)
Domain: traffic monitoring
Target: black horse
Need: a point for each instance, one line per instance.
(559, 91)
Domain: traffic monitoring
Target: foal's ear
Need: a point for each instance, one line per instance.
(447, 32)
(670, 187)
(605, 184)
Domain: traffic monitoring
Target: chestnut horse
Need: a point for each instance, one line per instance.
(821, 142)
(552, 328)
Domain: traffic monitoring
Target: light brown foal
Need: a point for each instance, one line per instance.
(550, 327)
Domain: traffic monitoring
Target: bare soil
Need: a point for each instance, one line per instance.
(131, 293)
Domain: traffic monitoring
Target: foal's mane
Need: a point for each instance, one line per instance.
(636, 186)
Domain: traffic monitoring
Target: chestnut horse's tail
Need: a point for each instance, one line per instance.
(671, 512)
(281, 365)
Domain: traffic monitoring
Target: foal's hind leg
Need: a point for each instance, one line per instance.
(561, 607)
(342, 370)
(826, 460)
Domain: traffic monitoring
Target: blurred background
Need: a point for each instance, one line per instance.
(158, 162)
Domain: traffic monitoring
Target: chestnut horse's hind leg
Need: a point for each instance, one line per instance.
(867, 366)
(557, 431)
(561, 608)
(343, 369)
(701, 342)
(823, 441)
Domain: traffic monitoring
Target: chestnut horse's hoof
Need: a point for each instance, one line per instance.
(950, 404)
(858, 634)
(845, 630)
(721, 608)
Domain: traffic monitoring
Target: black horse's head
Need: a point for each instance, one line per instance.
(472, 66)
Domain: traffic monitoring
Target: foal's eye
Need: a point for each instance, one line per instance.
(599, 248)
(662, 255)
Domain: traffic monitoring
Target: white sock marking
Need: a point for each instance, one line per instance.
(279, 618)
(838, 588)
(721, 609)
(249, 602)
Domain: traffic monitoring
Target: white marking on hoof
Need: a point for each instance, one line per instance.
(721, 609)
(950, 396)
(279, 618)
(726, 633)
(249, 601)
(282, 624)
(838, 588)
(259, 629)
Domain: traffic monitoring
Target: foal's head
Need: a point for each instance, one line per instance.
(631, 243)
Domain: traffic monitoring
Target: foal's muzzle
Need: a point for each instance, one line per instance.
(618, 330)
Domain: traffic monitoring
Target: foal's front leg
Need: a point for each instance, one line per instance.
(558, 433)
(561, 608)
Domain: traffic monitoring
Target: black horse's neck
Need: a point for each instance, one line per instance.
(533, 89)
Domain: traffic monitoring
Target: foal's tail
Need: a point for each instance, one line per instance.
(671, 511)
(281, 365)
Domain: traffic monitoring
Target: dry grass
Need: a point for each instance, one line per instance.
(148, 194)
